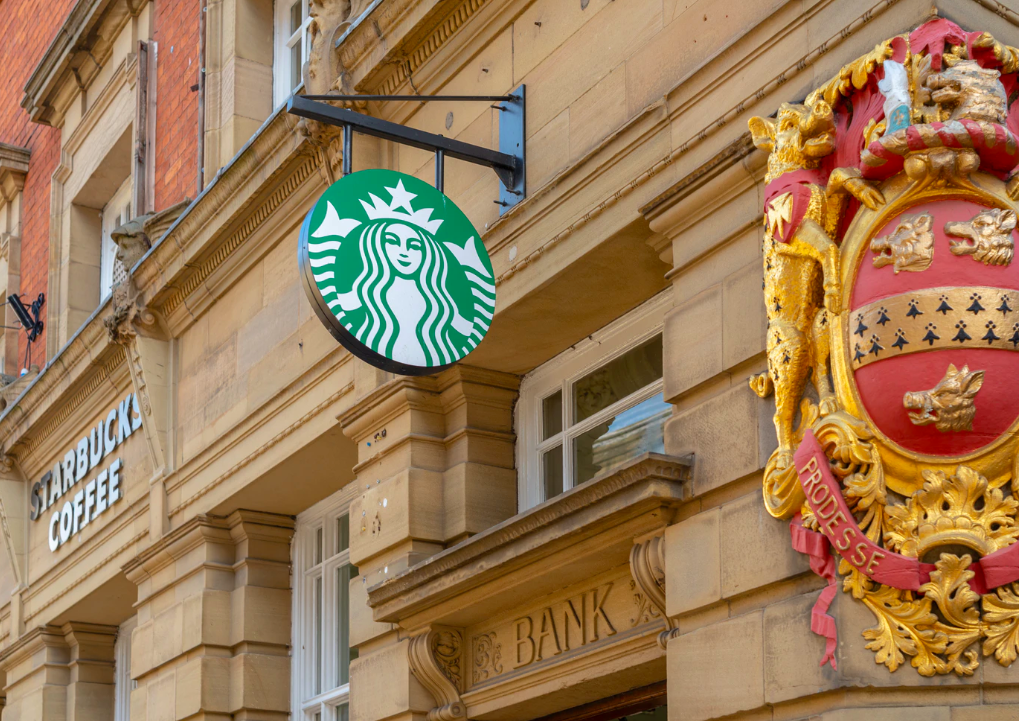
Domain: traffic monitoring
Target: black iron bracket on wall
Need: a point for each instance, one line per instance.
(508, 162)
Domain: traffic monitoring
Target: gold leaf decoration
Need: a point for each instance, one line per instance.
(1001, 612)
(852, 76)
(904, 629)
(949, 589)
(958, 509)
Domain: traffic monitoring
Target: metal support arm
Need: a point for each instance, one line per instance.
(508, 162)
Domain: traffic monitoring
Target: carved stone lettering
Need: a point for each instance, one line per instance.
(572, 623)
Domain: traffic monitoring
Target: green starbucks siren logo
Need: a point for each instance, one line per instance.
(397, 272)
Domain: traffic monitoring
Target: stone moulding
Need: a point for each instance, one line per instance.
(709, 130)
(13, 167)
(75, 56)
(274, 145)
(649, 480)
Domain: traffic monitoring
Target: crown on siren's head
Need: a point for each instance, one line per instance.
(379, 209)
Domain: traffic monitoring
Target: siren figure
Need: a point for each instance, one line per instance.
(399, 304)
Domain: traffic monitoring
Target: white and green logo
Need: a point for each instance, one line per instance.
(397, 272)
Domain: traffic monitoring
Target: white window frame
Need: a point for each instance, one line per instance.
(322, 517)
(122, 683)
(115, 213)
(615, 339)
(283, 42)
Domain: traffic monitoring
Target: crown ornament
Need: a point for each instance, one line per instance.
(379, 209)
(952, 511)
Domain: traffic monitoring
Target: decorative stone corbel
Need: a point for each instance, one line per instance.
(436, 658)
(134, 238)
(324, 74)
(647, 565)
(147, 346)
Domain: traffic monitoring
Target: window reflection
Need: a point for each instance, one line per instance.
(620, 438)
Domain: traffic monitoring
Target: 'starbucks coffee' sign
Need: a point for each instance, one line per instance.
(397, 272)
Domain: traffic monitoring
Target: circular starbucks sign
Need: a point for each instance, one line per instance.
(397, 272)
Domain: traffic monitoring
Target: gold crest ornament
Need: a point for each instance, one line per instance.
(890, 227)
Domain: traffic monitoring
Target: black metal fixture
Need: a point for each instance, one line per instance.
(508, 162)
(28, 316)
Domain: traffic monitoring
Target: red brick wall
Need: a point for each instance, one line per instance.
(177, 68)
(25, 40)
(26, 35)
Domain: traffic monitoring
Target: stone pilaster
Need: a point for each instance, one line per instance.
(435, 465)
(61, 674)
(238, 80)
(214, 620)
(90, 695)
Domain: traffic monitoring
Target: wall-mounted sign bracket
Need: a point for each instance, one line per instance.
(508, 162)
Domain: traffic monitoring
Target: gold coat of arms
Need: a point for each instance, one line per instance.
(892, 296)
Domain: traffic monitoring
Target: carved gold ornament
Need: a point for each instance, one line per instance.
(987, 237)
(961, 509)
(949, 404)
(873, 302)
(910, 247)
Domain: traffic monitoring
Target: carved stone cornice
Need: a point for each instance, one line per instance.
(200, 530)
(275, 163)
(420, 393)
(13, 168)
(676, 155)
(647, 565)
(80, 50)
(399, 36)
(436, 659)
(44, 400)
(647, 484)
(39, 638)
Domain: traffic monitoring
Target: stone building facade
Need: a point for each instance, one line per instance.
(211, 510)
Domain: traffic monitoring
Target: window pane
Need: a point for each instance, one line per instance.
(317, 641)
(341, 713)
(342, 533)
(295, 65)
(552, 472)
(552, 415)
(619, 378)
(620, 438)
(316, 553)
(343, 576)
(295, 17)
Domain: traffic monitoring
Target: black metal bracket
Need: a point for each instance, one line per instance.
(509, 162)
(29, 317)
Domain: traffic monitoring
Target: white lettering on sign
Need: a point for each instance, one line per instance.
(97, 494)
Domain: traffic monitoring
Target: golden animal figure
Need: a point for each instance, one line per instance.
(989, 234)
(801, 276)
(910, 247)
(949, 404)
(967, 90)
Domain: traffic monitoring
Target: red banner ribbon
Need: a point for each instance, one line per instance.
(814, 545)
(836, 522)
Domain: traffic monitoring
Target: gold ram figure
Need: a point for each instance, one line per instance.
(801, 262)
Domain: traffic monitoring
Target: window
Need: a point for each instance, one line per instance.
(116, 212)
(321, 630)
(292, 46)
(122, 683)
(593, 407)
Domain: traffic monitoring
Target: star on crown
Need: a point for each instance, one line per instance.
(378, 209)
